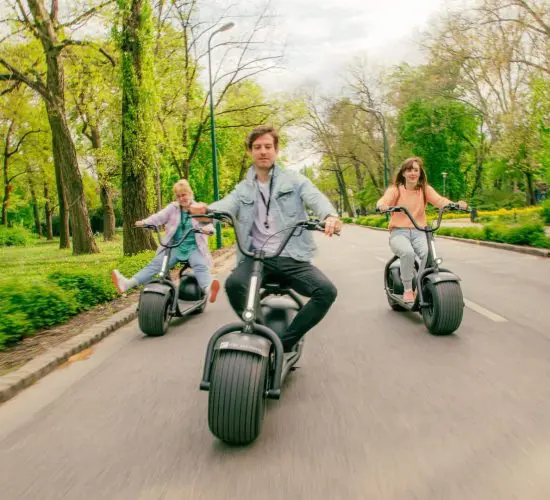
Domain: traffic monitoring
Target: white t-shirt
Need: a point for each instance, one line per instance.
(259, 232)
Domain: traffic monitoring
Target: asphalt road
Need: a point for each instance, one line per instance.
(379, 409)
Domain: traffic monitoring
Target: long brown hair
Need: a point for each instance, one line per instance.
(408, 165)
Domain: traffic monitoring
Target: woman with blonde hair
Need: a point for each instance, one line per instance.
(194, 249)
(410, 190)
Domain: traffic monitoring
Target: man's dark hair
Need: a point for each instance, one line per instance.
(258, 132)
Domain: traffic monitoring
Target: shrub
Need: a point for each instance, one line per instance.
(88, 288)
(28, 306)
(15, 236)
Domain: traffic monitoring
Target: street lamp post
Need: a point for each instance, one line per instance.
(225, 27)
(444, 174)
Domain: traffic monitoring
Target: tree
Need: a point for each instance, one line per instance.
(136, 47)
(47, 28)
(95, 97)
(439, 131)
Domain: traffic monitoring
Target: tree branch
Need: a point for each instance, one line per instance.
(23, 137)
(87, 14)
(16, 75)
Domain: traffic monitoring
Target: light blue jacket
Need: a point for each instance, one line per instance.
(292, 194)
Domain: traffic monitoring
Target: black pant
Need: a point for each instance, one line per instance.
(303, 277)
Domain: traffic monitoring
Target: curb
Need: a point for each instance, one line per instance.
(37, 368)
(538, 252)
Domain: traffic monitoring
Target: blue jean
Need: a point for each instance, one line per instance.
(405, 243)
(196, 261)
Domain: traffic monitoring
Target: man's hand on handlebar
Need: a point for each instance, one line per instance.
(462, 205)
(139, 223)
(198, 208)
(332, 225)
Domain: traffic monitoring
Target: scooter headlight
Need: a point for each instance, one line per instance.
(248, 315)
(438, 261)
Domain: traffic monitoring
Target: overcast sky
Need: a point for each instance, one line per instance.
(321, 37)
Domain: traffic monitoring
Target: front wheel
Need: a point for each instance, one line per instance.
(154, 314)
(236, 399)
(443, 314)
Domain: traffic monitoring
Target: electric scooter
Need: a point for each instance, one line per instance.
(439, 296)
(245, 362)
(161, 299)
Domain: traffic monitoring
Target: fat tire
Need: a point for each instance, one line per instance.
(236, 399)
(154, 314)
(446, 309)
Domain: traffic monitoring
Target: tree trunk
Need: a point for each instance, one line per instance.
(158, 190)
(35, 209)
(5, 162)
(343, 190)
(136, 155)
(105, 190)
(64, 230)
(109, 221)
(530, 192)
(48, 212)
(360, 184)
(64, 152)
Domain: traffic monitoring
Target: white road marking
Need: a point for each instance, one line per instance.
(381, 259)
(485, 312)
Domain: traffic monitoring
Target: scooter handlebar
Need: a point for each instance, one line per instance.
(447, 208)
(310, 224)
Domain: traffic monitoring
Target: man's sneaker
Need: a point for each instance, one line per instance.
(409, 296)
(214, 289)
(121, 283)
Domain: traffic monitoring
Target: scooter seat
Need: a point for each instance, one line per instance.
(277, 284)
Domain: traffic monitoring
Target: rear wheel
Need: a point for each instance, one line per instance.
(443, 314)
(236, 399)
(154, 314)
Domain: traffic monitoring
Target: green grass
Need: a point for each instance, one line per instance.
(42, 285)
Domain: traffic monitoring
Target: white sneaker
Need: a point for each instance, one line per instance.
(121, 283)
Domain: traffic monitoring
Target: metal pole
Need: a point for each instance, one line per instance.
(385, 151)
(225, 27)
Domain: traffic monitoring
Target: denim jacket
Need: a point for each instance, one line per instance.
(292, 193)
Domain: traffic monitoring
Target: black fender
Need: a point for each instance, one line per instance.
(262, 331)
(238, 341)
(159, 288)
(166, 288)
(440, 277)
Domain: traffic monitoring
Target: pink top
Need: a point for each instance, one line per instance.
(413, 200)
(170, 216)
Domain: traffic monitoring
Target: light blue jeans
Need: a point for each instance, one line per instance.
(405, 243)
(196, 261)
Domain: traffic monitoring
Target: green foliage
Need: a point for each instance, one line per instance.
(27, 306)
(372, 220)
(497, 198)
(437, 130)
(470, 233)
(530, 234)
(546, 211)
(89, 288)
(15, 236)
(131, 265)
